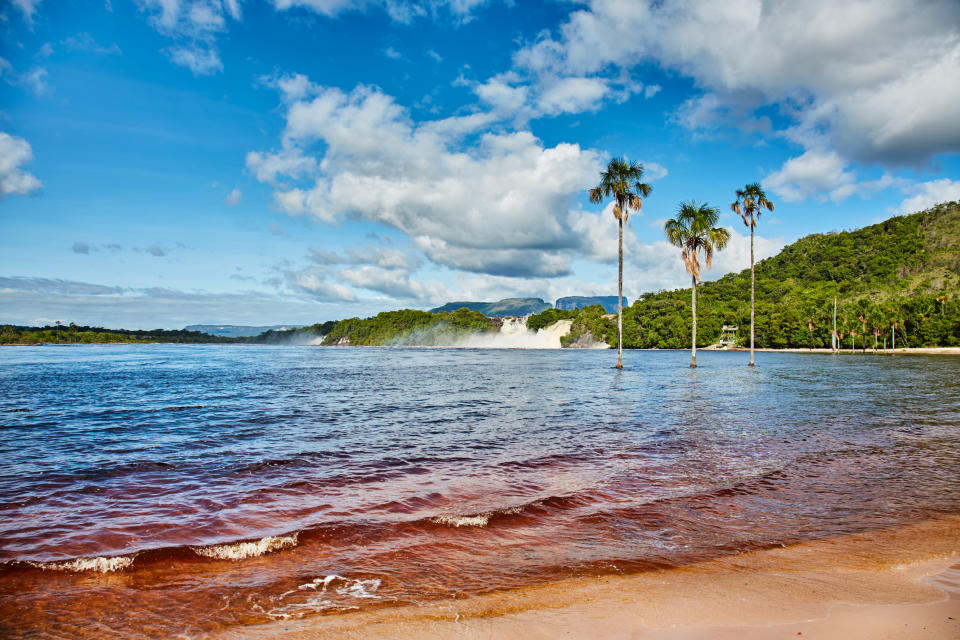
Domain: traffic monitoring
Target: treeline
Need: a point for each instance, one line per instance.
(73, 334)
(300, 335)
(410, 327)
(901, 276)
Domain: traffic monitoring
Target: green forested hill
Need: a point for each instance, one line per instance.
(903, 271)
(409, 327)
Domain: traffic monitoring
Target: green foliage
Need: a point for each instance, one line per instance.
(592, 321)
(905, 270)
(409, 327)
(73, 334)
(547, 317)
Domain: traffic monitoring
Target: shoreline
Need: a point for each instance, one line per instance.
(940, 351)
(894, 583)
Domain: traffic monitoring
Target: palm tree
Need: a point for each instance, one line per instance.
(694, 230)
(622, 182)
(750, 203)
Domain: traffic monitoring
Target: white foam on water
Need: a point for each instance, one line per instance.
(98, 564)
(479, 520)
(241, 550)
(361, 588)
(351, 587)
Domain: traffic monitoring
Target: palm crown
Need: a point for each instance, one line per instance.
(622, 182)
(750, 203)
(694, 230)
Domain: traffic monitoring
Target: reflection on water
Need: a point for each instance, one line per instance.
(178, 490)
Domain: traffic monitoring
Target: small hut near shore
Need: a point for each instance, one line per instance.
(728, 337)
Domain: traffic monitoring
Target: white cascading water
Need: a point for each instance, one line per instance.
(514, 334)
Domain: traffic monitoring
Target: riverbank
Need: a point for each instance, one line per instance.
(894, 584)
(940, 351)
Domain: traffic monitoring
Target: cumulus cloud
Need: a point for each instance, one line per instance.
(14, 153)
(815, 174)
(873, 79)
(927, 194)
(233, 198)
(497, 205)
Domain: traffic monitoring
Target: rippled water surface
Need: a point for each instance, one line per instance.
(173, 491)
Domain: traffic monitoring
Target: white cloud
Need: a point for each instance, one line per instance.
(392, 53)
(15, 152)
(201, 61)
(571, 95)
(287, 162)
(404, 11)
(928, 194)
(496, 206)
(874, 78)
(314, 284)
(233, 198)
(815, 174)
(194, 27)
(33, 301)
(395, 283)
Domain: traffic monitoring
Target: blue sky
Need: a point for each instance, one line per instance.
(171, 162)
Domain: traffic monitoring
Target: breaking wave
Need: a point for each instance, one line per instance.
(241, 550)
(98, 564)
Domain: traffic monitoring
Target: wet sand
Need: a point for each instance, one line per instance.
(891, 584)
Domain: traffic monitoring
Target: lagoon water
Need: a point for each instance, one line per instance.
(175, 491)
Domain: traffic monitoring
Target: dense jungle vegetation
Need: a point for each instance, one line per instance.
(900, 275)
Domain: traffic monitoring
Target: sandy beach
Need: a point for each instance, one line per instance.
(901, 583)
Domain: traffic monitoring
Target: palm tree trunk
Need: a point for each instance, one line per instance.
(751, 293)
(620, 295)
(693, 346)
(833, 340)
(894, 336)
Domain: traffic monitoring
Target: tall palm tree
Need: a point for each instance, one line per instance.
(622, 181)
(750, 203)
(695, 230)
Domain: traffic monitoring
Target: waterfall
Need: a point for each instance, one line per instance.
(514, 334)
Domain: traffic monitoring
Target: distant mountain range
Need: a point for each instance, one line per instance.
(236, 330)
(505, 307)
(572, 303)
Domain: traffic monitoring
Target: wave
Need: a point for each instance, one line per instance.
(589, 505)
(479, 520)
(102, 564)
(241, 550)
